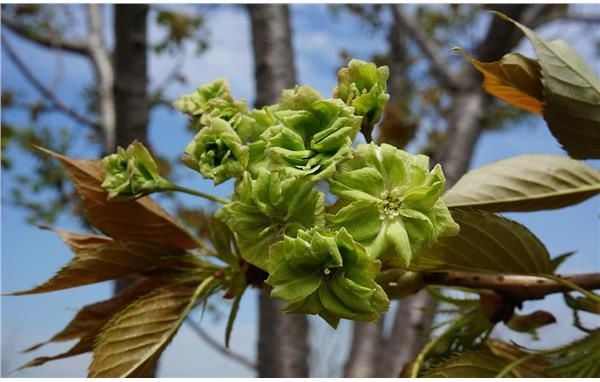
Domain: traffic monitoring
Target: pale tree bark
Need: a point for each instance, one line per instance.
(364, 351)
(465, 124)
(103, 69)
(283, 339)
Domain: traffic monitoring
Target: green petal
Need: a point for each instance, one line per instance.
(398, 236)
(360, 218)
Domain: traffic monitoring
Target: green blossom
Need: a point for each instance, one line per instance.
(210, 101)
(393, 202)
(268, 207)
(309, 135)
(132, 173)
(328, 274)
(362, 85)
(217, 152)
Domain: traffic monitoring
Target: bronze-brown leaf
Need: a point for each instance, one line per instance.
(140, 220)
(515, 79)
(88, 322)
(100, 258)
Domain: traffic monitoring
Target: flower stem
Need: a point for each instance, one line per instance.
(174, 187)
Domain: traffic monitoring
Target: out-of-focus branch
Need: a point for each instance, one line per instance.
(52, 42)
(242, 360)
(52, 98)
(428, 45)
(104, 74)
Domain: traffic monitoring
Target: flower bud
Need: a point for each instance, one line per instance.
(131, 173)
(362, 85)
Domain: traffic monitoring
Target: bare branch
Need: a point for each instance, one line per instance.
(428, 45)
(105, 76)
(218, 347)
(55, 102)
(517, 286)
(77, 47)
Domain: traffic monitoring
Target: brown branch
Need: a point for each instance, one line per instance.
(218, 347)
(520, 287)
(46, 92)
(429, 46)
(77, 47)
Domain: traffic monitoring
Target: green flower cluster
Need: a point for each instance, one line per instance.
(389, 207)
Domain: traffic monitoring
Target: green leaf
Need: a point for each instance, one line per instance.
(578, 359)
(137, 335)
(488, 243)
(471, 364)
(100, 258)
(232, 315)
(528, 182)
(515, 79)
(571, 95)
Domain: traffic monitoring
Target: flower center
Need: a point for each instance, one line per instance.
(389, 208)
(328, 273)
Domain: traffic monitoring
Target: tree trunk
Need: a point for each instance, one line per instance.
(283, 339)
(364, 351)
(130, 89)
(131, 73)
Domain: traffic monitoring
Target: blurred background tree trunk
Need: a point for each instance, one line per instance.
(282, 339)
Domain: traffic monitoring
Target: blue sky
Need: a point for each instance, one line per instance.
(29, 255)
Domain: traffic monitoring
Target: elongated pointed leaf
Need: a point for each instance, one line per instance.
(488, 243)
(141, 219)
(493, 358)
(528, 182)
(88, 322)
(137, 335)
(571, 95)
(471, 364)
(515, 79)
(99, 258)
